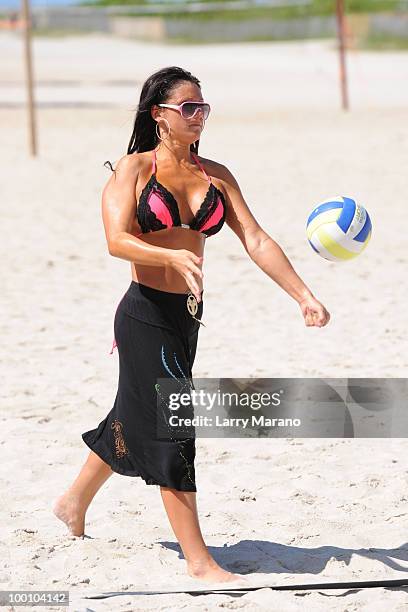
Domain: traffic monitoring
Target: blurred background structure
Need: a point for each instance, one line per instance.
(371, 23)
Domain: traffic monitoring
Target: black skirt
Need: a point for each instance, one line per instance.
(156, 338)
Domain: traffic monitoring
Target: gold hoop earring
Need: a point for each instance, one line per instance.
(169, 129)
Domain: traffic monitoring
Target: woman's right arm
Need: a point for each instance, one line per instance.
(119, 210)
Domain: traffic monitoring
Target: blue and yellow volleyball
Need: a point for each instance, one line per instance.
(339, 229)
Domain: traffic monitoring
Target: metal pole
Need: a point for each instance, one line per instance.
(29, 75)
(342, 52)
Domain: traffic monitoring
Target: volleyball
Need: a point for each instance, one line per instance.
(339, 229)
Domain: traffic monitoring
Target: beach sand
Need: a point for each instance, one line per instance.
(283, 511)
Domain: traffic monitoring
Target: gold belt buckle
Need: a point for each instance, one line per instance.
(192, 307)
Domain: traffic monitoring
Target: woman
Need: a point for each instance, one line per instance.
(160, 227)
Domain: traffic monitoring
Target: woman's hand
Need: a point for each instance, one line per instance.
(187, 264)
(315, 314)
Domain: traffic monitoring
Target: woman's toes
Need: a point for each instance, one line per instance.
(66, 508)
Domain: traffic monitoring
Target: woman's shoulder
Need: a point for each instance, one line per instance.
(217, 170)
(133, 161)
(127, 169)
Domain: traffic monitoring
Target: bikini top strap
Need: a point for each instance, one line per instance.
(200, 166)
(154, 164)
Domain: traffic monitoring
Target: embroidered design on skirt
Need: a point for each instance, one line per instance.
(186, 384)
(120, 446)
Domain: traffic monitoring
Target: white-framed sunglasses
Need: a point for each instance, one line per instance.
(189, 108)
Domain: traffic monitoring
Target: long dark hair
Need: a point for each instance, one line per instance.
(156, 90)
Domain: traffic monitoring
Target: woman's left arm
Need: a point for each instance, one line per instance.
(266, 252)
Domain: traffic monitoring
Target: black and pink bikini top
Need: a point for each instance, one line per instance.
(158, 208)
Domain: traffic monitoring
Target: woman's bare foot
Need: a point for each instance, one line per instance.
(69, 510)
(210, 571)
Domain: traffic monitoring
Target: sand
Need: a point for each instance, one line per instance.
(282, 511)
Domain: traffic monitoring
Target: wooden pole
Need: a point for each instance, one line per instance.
(342, 52)
(29, 75)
